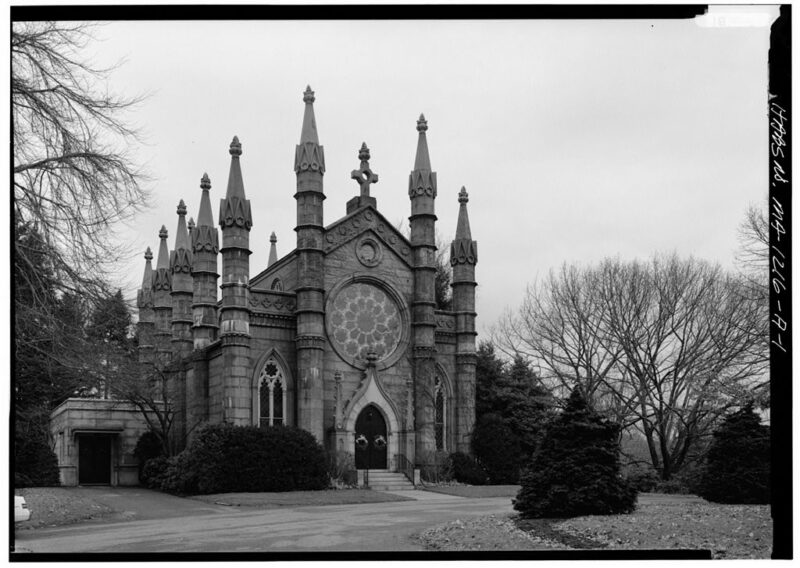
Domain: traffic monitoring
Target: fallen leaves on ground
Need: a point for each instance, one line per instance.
(483, 533)
(729, 531)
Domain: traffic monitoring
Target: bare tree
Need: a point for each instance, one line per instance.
(560, 327)
(665, 347)
(73, 178)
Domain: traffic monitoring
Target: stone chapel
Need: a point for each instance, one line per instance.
(341, 336)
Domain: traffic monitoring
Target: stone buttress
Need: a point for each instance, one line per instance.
(422, 192)
(162, 304)
(463, 258)
(309, 166)
(205, 329)
(205, 247)
(144, 302)
(236, 220)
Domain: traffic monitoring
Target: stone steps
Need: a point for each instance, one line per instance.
(381, 480)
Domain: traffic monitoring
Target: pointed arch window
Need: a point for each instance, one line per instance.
(271, 395)
(440, 403)
(277, 285)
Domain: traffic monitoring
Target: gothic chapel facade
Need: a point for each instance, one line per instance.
(341, 336)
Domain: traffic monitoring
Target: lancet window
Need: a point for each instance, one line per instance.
(271, 394)
(440, 402)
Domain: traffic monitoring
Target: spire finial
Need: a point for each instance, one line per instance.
(191, 224)
(308, 95)
(273, 250)
(364, 175)
(205, 182)
(181, 208)
(236, 147)
(422, 124)
(462, 226)
(148, 254)
(163, 250)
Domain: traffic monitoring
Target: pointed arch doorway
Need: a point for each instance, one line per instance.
(370, 439)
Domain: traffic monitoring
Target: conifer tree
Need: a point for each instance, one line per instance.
(737, 467)
(576, 469)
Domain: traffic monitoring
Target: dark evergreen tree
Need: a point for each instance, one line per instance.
(576, 470)
(489, 370)
(35, 464)
(497, 448)
(48, 331)
(737, 468)
(514, 394)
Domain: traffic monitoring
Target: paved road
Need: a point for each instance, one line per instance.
(192, 526)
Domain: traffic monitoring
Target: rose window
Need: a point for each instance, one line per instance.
(364, 318)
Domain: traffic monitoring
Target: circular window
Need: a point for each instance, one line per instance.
(363, 317)
(369, 252)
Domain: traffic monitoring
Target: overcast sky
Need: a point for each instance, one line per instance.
(576, 140)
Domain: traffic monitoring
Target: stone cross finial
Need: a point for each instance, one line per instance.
(422, 124)
(364, 176)
(205, 182)
(148, 254)
(308, 95)
(236, 147)
(463, 196)
(181, 208)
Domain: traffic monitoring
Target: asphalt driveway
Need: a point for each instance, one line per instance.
(163, 523)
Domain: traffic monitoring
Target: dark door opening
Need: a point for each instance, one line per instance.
(370, 439)
(94, 459)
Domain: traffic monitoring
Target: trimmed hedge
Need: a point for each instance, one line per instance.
(227, 459)
(35, 463)
(576, 470)
(466, 470)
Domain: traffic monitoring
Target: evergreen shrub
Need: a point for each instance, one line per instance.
(435, 466)
(466, 470)
(498, 449)
(35, 463)
(643, 478)
(737, 468)
(342, 469)
(153, 471)
(225, 459)
(576, 469)
(148, 446)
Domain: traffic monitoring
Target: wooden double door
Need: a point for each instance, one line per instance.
(371, 439)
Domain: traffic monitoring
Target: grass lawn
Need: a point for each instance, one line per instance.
(300, 498)
(54, 506)
(476, 491)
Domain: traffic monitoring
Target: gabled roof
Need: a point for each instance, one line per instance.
(357, 223)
